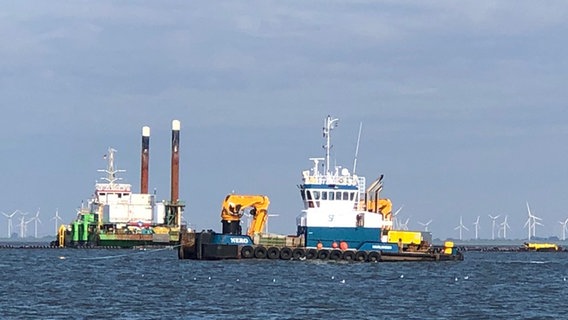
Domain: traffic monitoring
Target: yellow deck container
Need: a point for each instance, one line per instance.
(448, 246)
(407, 237)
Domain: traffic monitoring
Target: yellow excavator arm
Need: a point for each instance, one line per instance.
(234, 206)
(382, 206)
(385, 208)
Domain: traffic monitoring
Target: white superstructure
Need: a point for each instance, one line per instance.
(333, 197)
(116, 203)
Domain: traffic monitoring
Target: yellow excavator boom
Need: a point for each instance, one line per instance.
(234, 206)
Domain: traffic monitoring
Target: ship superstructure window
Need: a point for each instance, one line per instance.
(331, 195)
(338, 195)
(346, 195)
(316, 195)
(324, 195)
(309, 197)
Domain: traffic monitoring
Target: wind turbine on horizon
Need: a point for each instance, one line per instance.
(9, 216)
(266, 223)
(394, 219)
(531, 223)
(404, 226)
(493, 218)
(504, 226)
(461, 227)
(26, 227)
(476, 224)
(564, 226)
(36, 220)
(57, 218)
(23, 224)
(425, 225)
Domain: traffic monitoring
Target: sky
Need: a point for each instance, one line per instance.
(462, 104)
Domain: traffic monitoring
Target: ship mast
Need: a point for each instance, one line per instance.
(110, 170)
(330, 124)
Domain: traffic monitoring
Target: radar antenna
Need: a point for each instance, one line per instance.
(330, 124)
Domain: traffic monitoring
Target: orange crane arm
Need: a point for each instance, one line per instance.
(234, 205)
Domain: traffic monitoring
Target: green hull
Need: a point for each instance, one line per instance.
(135, 240)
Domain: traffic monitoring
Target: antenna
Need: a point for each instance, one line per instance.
(329, 125)
(110, 170)
(357, 148)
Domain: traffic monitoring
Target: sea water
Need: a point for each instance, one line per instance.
(154, 284)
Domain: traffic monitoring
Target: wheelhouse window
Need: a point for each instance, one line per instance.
(309, 196)
(316, 195)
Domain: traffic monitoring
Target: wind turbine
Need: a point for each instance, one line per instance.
(403, 226)
(476, 224)
(493, 225)
(504, 227)
(531, 223)
(266, 223)
(26, 227)
(460, 227)
(36, 220)
(23, 224)
(425, 225)
(394, 220)
(564, 224)
(9, 216)
(57, 218)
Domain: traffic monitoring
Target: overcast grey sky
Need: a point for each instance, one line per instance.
(463, 104)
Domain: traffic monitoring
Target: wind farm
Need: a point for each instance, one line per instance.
(22, 229)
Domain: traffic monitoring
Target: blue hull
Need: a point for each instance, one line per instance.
(355, 237)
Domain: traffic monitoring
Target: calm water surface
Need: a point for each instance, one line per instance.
(154, 284)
